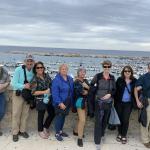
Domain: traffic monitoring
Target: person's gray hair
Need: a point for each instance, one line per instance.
(80, 69)
(63, 65)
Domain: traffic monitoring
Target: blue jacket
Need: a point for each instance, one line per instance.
(60, 89)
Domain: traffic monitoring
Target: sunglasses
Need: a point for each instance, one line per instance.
(127, 71)
(39, 67)
(29, 64)
(106, 66)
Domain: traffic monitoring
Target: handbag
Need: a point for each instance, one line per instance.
(114, 119)
(80, 103)
(104, 105)
(27, 96)
(40, 105)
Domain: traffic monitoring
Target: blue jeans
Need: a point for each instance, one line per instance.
(59, 123)
(2, 105)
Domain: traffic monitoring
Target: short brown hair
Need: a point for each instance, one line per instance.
(107, 62)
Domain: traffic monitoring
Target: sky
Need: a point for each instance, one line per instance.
(87, 24)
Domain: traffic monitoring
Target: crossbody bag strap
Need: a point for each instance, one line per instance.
(128, 89)
(25, 75)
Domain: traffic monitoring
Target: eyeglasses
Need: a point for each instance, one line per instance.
(106, 66)
(127, 71)
(39, 67)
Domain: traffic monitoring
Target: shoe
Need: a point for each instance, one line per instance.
(15, 138)
(118, 138)
(123, 140)
(24, 134)
(98, 147)
(80, 143)
(46, 131)
(103, 139)
(43, 135)
(63, 134)
(147, 145)
(58, 137)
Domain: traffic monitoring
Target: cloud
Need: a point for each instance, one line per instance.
(100, 24)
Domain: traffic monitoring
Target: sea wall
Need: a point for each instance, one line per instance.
(69, 124)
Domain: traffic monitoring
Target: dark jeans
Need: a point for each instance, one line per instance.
(59, 122)
(124, 110)
(101, 120)
(41, 113)
(2, 105)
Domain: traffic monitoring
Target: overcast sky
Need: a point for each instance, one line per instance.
(92, 24)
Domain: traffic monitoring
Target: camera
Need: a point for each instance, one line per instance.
(18, 92)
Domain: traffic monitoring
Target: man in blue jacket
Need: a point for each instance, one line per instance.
(20, 108)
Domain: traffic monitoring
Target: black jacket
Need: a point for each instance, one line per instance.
(93, 90)
(120, 87)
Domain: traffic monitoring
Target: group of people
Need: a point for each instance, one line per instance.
(32, 85)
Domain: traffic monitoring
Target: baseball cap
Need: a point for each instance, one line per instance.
(29, 57)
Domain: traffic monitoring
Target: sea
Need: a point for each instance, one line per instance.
(78, 51)
(92, 64)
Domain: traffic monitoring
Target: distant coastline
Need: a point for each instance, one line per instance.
(70, 52)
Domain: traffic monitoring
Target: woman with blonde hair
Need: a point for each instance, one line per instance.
(62, 93)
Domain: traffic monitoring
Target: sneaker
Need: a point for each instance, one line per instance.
(80, 143)
(98, 147)
(103, 139)
(58, 137)
(24, 134)
(15, 138)
(43, 135)
(63, 134)
(46, 131)
(147, 145)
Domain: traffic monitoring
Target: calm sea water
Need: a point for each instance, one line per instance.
(78, 51)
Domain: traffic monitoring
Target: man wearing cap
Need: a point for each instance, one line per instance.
(4, 83)
(20, 108)
(143, 83)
